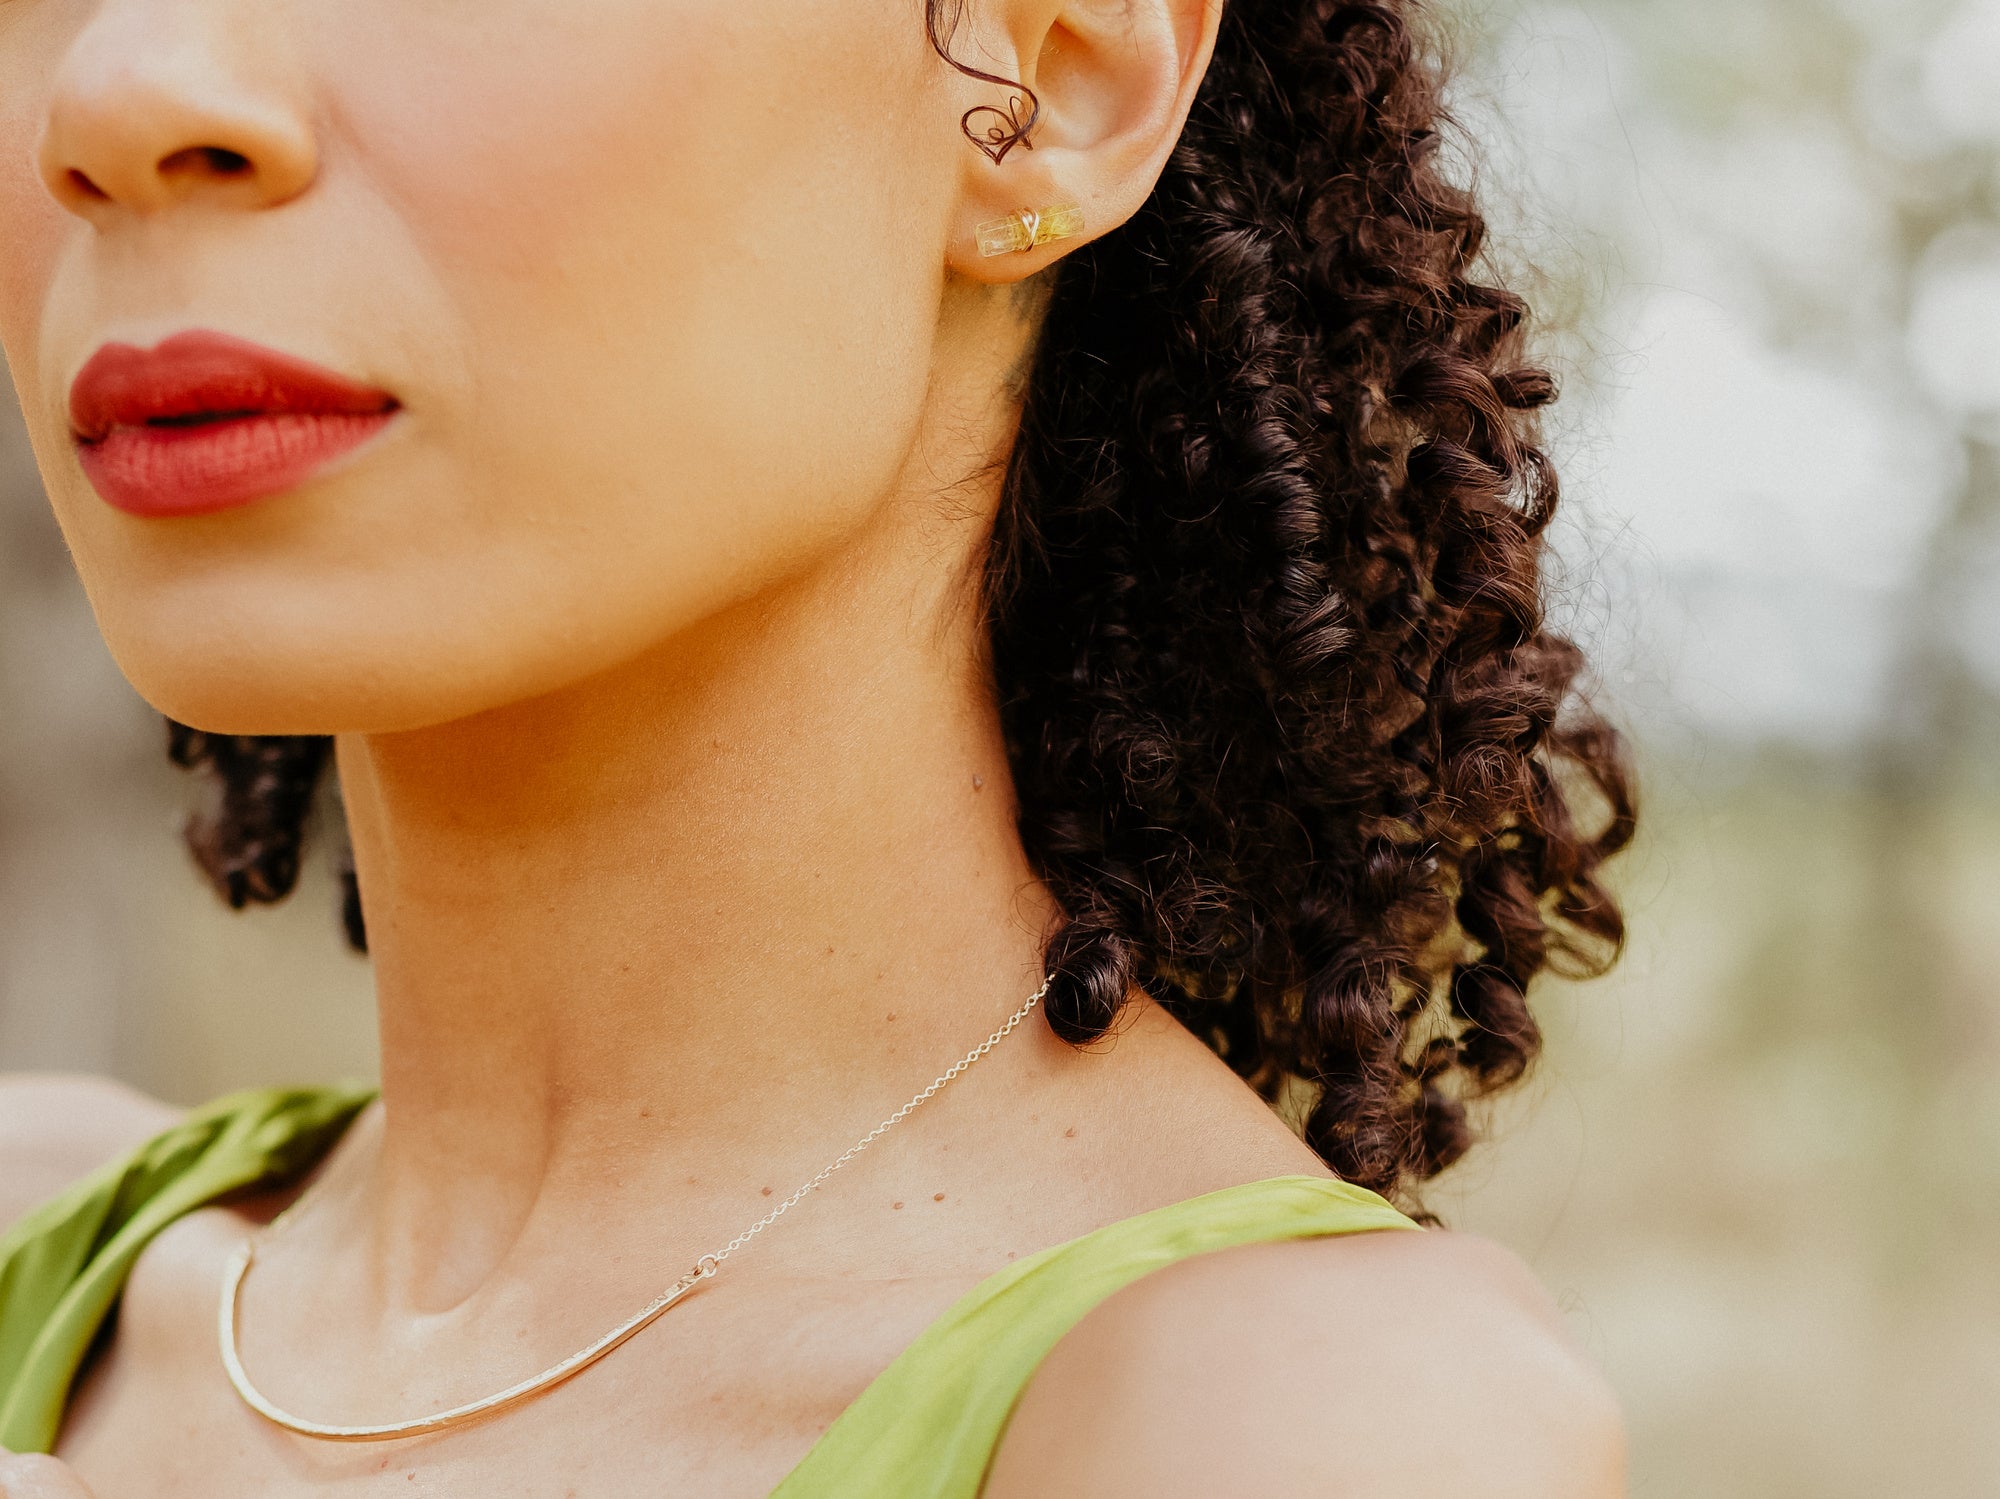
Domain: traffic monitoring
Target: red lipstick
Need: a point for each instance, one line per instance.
(204, 422)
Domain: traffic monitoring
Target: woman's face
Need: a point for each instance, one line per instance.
(648, 293)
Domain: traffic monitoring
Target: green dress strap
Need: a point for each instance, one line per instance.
(928, 1427)
(63, 1266)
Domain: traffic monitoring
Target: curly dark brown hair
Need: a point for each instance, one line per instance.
(1295, 750)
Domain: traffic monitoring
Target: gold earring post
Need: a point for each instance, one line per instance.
(1028, 229)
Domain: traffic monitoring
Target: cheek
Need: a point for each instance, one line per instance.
(696, 279)
(683, 257)
(28, 245)
(33, 228)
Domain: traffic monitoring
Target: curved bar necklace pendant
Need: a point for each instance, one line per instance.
(458, 1415)
(704, 1269)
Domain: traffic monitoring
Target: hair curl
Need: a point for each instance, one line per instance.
(1295, 750)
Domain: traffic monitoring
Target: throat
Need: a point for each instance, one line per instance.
(672, 936)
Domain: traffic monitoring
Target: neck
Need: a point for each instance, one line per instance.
(684, 919)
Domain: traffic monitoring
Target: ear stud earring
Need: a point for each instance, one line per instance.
(1026, 229)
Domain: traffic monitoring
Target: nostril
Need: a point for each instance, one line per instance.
(218, 161)
(84, 187)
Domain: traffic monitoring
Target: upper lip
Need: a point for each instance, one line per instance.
(204, 375)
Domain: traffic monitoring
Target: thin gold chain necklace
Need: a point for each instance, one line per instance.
(703, 1269)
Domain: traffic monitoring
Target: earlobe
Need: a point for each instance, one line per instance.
(1076, 146)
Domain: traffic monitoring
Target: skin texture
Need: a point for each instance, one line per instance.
(38, 1478)
(671, 763)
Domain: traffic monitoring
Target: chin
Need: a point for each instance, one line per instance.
(250, 685)
(264, 703)
(348, 666)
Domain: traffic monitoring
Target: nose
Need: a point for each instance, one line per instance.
(162, 102)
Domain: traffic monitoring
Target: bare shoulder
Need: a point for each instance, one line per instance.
(57, 1127)
(1392, 1363)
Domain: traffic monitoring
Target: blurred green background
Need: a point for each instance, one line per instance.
(1760, 1163)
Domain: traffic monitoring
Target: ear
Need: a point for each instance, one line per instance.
(1114, 79)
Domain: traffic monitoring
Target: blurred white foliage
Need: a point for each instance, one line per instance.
(1787, 507)
(1961, 71)
(1979, 621)
(1954, 331)
(1751, 438)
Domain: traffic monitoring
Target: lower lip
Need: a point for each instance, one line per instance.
(211, 466)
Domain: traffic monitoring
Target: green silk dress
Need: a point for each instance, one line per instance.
(926, 1428)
